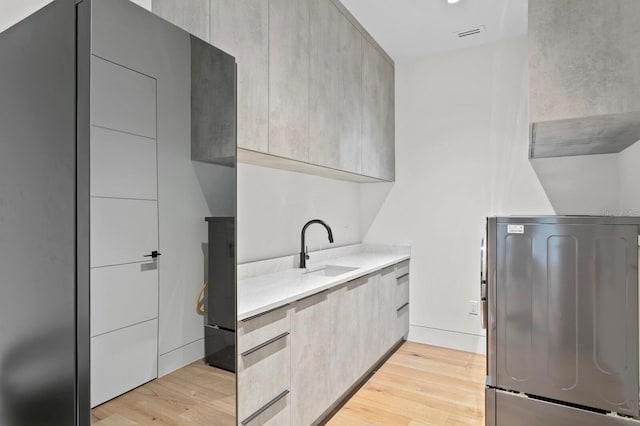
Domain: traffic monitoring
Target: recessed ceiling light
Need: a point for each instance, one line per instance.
(452, 1)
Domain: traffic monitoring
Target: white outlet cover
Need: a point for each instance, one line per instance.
(473, 307)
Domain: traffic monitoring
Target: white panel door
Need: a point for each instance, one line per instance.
(122, 99)
(123, 295)
(122, 230)
(123, 165)
(122, 360)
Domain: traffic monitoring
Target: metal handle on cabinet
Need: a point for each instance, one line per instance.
(267, 343)
(402, 307)
(265, 408)
(483, 313)
(263, 313)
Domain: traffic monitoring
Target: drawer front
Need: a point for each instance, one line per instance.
(402, 291)
(402, 268)
(401, 329)
(276, 413)
(263, 374)
(255, 331)
(122, 360)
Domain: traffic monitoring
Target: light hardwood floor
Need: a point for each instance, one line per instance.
(194, 395)
(419, 385)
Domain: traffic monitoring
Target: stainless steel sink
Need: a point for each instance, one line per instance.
(330, 270)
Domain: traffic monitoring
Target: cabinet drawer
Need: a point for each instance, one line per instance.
(402, 269)
(276, 413)
(263, 374)
(402, 291)
(257, 330)
(401, 326)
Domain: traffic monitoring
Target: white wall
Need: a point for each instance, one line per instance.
(273, 205)
(629, 174)
(461, 150)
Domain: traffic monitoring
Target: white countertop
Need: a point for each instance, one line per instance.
(265, 292)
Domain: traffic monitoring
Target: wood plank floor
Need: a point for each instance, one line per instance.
(194, 395)
(419, 385)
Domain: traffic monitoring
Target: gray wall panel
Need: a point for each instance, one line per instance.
(38, 219)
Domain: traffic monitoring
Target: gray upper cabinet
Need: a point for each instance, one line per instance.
(191, 15)
(584, 77)
(241, 28)
(289, 78)
(378, 115)
(315, 92)
(335, 89)
(351, 42)
(324, 84)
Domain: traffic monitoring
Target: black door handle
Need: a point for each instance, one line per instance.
(154, 254)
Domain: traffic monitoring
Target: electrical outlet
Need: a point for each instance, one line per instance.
(473, 307)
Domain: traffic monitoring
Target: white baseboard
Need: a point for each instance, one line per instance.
(178, 358)
(448, 339)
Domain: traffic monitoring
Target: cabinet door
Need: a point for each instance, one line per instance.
(310, 359)
(324, 84)
(344, 321)
(378, 115)
(386, 310)
(351, 41)
(241, 28)
(191, 15)
(289, 78)
(368, 323)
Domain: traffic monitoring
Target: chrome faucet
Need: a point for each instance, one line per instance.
(303, 248)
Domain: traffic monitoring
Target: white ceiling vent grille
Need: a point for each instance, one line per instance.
(470, 32)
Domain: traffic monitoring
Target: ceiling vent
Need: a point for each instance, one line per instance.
(470, 32)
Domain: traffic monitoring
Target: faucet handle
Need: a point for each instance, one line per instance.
(306, 252)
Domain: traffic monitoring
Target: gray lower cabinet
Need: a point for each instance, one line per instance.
(298, 361)
(346, 366)
(378, 115)
(368, 325)
(310, 358)
(241, 28)
(386, 310)
(401, 329)
(289, 78)
(264, 369)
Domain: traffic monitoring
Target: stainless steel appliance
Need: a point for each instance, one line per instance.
(560, 303)
(220, 330)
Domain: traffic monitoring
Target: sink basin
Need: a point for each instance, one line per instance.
(330, 270)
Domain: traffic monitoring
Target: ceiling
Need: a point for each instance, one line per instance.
(412, 28)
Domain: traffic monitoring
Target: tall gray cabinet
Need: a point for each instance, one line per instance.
(95, 94)
(315, 90)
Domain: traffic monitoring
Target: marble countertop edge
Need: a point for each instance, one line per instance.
(257, 295)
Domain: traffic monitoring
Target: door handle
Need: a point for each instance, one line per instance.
(154, 254)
